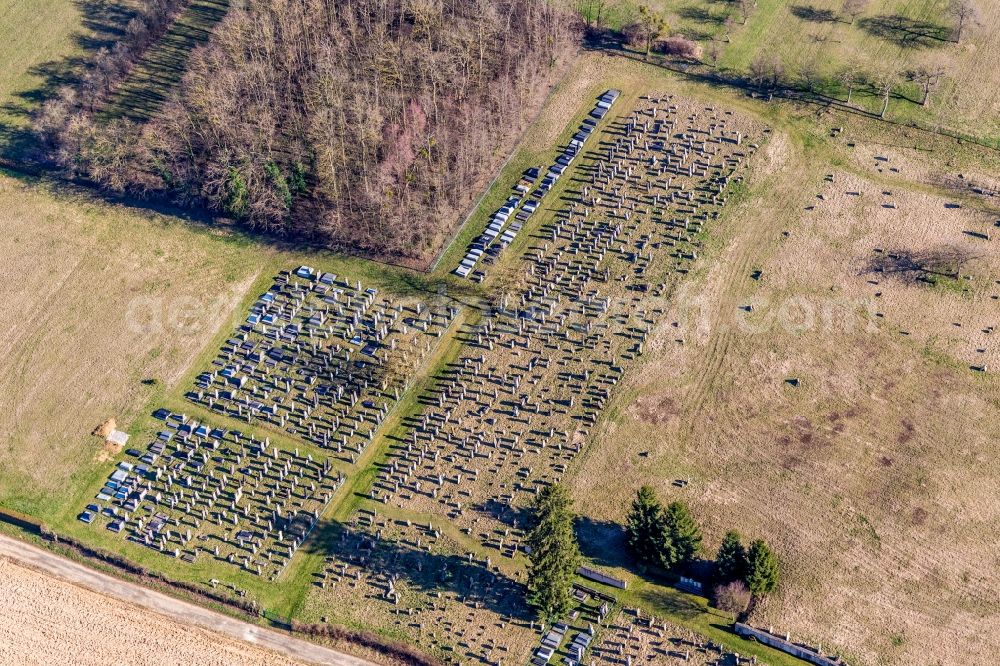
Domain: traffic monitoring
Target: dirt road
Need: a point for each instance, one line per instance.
(58, 619)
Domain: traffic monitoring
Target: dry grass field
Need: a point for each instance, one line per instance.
(66, 624)
(103, 307)
(872, 476)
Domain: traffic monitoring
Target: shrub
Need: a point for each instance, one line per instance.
(679, 47)
(733, 597)
(633, 34)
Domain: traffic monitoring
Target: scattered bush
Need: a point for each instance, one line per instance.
(634, 35)
(395, 650)
(679, 47)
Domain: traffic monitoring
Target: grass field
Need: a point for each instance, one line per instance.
(103, 309)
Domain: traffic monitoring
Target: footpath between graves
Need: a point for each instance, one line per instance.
(353, 494)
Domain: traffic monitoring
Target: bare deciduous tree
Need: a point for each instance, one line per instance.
(945, 261)
(714, 53)
(593, 12)
(733, 597)
(928, 75)
(360, 125)
(730, 25)
(766, 70)
(853, 9)
(849, 77)
(884, 80)
(811, 76)
(965, 13)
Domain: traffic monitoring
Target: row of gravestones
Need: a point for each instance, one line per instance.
(197, 491)
(321, 359)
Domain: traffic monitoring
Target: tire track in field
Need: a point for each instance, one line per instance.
(759, 222)
(22, 355)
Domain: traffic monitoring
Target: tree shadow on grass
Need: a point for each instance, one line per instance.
(518, 518)
(102, 25)
(386, 562)
(160, 69)
(906, 32)
(700, 14)
(603, 542)
(670, 601)
(603, 39)
(814, 14)
(928, 266)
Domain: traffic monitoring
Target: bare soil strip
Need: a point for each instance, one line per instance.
(67, 613)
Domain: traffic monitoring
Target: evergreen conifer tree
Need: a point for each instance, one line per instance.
(647, 530)
(762, 568)
(683, 531)
(555, 555)
(731, 561)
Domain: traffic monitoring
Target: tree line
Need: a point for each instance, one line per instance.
(362, 124)
(666, 538)
(644, 27)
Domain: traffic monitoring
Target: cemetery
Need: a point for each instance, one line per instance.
(321, 358)
(419, 579)
(499, 234)
(515, 409)
(415, 578)
(200, 491)
(633, 638)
